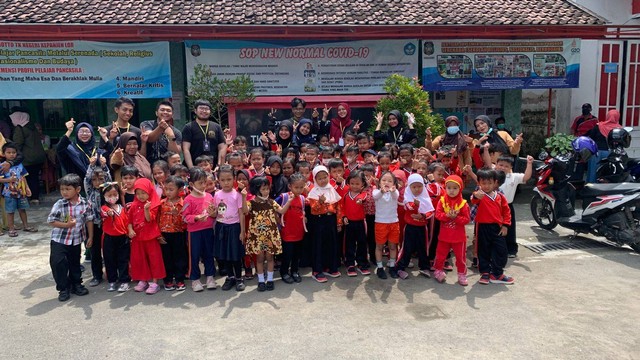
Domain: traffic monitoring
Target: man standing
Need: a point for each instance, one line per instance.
(160, 134)
(124, 109)
(203, 137)
(585, 122)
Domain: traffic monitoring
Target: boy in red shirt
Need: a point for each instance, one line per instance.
(355, 228)
(293, 229)
(174, 233)
(492, 220)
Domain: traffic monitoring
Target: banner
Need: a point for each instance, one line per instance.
(500, 64)
(84, 70)
(311, 68)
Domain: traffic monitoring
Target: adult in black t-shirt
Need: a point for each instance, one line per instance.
(203, 137)
(160, 134)
(124, 109)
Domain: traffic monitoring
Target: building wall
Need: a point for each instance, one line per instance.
(618, 12)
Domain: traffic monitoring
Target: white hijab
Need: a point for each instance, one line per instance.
(19, 118)
(425, 201)
(330, 194)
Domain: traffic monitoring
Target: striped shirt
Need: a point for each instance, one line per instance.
(63, 210)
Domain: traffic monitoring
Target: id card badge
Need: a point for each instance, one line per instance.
(341, 142)
(205, 145)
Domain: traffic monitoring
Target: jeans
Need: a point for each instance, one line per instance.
(593, 164)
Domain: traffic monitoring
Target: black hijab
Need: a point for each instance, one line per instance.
(279, 183)
(493, 137)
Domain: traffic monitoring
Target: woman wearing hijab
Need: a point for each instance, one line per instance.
(27, 139)
(599, 134)
(283, 137)
(340, 124)
(127, 154)
(398, 133)
(304, 133)
(74, 156)
(452, 137)
(500, 140)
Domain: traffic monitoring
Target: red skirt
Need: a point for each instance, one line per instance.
(146, 261)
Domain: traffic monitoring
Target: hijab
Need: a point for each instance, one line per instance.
(395, 132)
(401, 176)
(494, 138)
(81, 152)
(612, 122)
(146, 185)
(425, 201)
(19, 118)
(245, 172)
(339, 125)
(279, 183)
(304, 139)
(137, 160)
(285, 143)
(456, 140)
(330, 194)
(453, 203)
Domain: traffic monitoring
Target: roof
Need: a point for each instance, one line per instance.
(297, 12)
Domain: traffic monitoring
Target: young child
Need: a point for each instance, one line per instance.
(386, 223)
(401, 178)
(240, 143)
(173, 230)
(116, 245)
(326, 212)
(384, 163)
(405, 159)
(311, 156)
(205, 162)
(492, 221)
(256, 157)
(242, 182)
(264, 239)
(235, 159)
(173, 159)
(352, 160)
(160, 171)
(288, 167)
(355, 226)
(418, 210)
(15, 191)
(144, 232)
(370, 208)
(229, 229)
(326, 154)
(129, 176)
(68, 217)
(97, 174)
(505, 164)
(198, 213)
(293, 229)
(278, 181)
(435, 188)
(452, 212)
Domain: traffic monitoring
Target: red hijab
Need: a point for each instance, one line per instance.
(457, 202)
(612, 122)
(401, 176)
(145, 185)
(339, 125)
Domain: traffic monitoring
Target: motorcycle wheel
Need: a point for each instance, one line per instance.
(635, 247)
(542, 212)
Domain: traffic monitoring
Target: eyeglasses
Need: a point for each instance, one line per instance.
(84, 131)
(204, 108)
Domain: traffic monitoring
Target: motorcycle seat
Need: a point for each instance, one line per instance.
(593, 190)
(633, 162)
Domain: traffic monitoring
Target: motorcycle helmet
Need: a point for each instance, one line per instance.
(584, 147)
(611, 170)
(618, 138)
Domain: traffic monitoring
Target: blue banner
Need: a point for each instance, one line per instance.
(449, 65)
(84, 70)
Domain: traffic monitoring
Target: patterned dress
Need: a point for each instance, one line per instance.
(263, 227)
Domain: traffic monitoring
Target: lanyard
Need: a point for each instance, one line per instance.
(204, 131)
(395, 137)
(85, 154)
(118, 127)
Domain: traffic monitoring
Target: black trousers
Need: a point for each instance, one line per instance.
(65, 265)
(512, 244)
(415, 239)
(291, 253)
(492, 249)
(96, 252)
(175, 256)
(307, 240)
(433, 241)
(116, 251)
(371, 236)
(324, 243)
(33, 180)
(356, 247)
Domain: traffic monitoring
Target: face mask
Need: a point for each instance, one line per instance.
(585, 111)
(452, 130)
(350, 160)
(325, 162)
(500, 126)
(111, 199)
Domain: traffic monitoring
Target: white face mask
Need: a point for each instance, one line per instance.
(111, 200)
(325, 162)
(350, 160)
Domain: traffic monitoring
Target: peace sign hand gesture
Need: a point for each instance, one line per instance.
(356, 127)
(325, 112)
(272, 114)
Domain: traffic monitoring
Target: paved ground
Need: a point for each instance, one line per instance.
(566, 304)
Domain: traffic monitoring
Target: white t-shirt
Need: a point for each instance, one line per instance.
(511, 185)
(386, 206)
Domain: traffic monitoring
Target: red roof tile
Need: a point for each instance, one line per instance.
(298, 12)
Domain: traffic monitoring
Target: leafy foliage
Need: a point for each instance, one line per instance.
(559, 144)
(219, 92)
(407, 95)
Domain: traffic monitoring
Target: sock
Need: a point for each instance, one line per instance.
(269, 275)
(392, 263)
(260, 277)
(379, 264)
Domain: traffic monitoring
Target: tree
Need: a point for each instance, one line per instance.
(407, 95)
(219, 92)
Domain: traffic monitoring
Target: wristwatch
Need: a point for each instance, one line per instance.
(172, 139)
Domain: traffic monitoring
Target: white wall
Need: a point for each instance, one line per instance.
(617, 12)
(587, 92)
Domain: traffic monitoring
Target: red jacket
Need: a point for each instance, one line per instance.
(492, 210)
(352, 210)
(452, 230)
(412, 209)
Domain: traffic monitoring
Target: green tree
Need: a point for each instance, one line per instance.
(407, 95)
(219, 92)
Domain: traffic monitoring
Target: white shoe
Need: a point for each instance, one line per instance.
(196, 286)
(124, 287)
(211, 283)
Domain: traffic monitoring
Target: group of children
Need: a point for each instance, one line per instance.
(317, 206)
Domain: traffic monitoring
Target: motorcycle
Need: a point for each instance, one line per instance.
(608, 210)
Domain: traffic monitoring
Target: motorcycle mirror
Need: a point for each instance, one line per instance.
(628, 128)
(543, 155)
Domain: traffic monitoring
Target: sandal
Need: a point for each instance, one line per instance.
(1, 232)
(13, 233)
(30, 229)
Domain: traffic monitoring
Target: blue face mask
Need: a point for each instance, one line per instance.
(452, 130)
(500, 126)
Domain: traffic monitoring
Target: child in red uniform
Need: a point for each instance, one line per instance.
(337, 180)
(293, 229)
(355, 226)
(453, 213)
(146, 255)
(116, 246)
(435, 188)
(370, 209)
(418, 210)
(401, 178)
(492, 221)
(173, 229)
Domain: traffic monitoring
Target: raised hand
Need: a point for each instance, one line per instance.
(70, 124)
(315, 113)
(147, 205)
(271, 136)
(325, 112)
(228, 139)
(114, 131)
(103, 132)
(428, 133)
(519, 138)
(264, 138)
(322, 199)
(356, 127)
(272, 114)
(379, 118)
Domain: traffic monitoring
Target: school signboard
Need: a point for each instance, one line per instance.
(84, 70)
(449, 65)
(307, 67)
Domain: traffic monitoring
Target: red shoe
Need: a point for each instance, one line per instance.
(334, 274)
(351, 271)
(502, 279)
